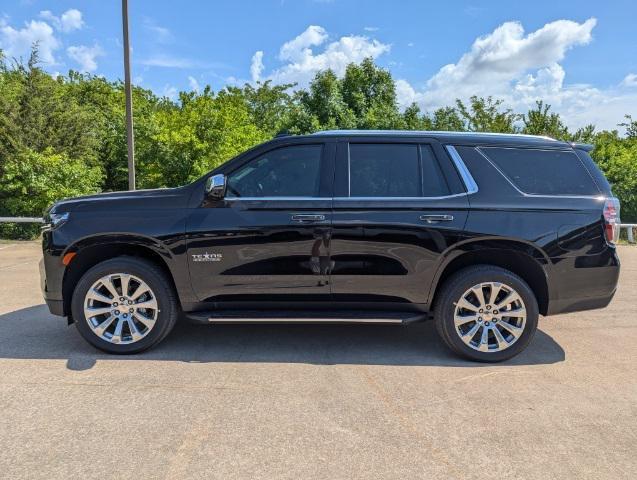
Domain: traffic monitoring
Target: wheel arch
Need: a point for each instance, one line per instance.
(91, 251)
(523, 259)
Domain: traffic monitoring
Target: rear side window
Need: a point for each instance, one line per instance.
(394, 170)
(543, 172)
(595, 172)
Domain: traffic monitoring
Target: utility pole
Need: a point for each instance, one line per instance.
(128, 91)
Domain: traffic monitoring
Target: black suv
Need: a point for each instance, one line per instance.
(481, 232)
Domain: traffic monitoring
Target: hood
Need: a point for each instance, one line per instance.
(134, 199)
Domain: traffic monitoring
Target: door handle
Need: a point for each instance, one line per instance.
(436, 218)
(310, 218)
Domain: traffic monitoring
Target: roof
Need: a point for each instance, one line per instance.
(481, 138)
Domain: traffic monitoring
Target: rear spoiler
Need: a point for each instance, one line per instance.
(587, 147)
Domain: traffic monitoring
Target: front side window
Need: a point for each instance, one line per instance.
(394, 170)
(284, 172)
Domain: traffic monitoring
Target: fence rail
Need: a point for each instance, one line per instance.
(21, 220)
(629, 230)
(628, 226)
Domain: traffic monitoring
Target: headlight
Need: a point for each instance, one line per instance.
(56, 220)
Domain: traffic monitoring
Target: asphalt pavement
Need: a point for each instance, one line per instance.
(314, 402)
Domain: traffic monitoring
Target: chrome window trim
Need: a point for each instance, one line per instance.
(363, 199)
(368, 199)
(469, 183)
(254, 199)
(536, 195)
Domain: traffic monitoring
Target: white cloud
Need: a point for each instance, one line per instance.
(67, 22)
(371, 29)
(521, 68)
(301, 62)
(160, 34)
(299, 47)
(168, 61)
(169, 91)
(630, 80)
(85, 56)
(194, 84)
(407, 94)
(18, 42)
(172, 61)
(256, 66)
(506, 54)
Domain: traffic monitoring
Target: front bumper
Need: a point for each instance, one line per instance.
(51, 277)
(56, 307)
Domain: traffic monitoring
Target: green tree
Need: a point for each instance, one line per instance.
(412, 119)
(486, 115)
(540, 121)
(447, 119)
(52, 129)
(324, 105)
(269, 105)
(630, 125)
(586, 134)
(32, 181)
(616, 157)
(197, 135)
(370, 95)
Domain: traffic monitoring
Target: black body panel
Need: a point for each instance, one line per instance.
(263, 255)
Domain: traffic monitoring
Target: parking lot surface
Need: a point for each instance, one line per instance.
(306, 402)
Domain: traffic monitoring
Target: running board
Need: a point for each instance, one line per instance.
(319, 316)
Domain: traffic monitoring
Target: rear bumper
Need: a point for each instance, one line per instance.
(584, 283)
(578, 304)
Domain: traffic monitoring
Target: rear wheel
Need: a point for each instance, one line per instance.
(124, 305)
(486, 313)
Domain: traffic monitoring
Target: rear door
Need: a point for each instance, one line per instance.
(268, 239)
(398, 206)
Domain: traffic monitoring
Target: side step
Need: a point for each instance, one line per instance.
(313, 316)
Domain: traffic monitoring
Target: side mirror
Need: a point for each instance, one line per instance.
(216, 186)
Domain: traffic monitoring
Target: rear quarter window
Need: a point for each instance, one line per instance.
(543, 172)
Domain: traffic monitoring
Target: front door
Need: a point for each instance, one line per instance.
(398, 211)
(268, 239)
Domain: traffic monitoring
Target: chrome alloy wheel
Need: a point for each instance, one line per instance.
(120, 308)
(490, 317)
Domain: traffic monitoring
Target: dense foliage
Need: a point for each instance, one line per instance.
(65, 136)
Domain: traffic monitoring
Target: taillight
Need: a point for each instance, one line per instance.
(611, 219)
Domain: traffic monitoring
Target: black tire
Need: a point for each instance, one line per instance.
(154, 277)
(453, 290)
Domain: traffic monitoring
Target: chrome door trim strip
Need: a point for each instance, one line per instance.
(257, 199)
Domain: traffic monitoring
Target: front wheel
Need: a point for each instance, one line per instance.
(124, 305)
(486, 313)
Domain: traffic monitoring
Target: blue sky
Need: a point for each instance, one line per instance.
(579, 55)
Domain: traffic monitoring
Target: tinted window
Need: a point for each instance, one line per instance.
(595, 172)
(394, 170)
(543, 172)
(433, 181)
(284, 172)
